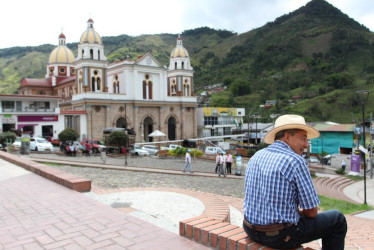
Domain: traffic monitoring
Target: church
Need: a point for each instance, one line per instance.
(142, 95)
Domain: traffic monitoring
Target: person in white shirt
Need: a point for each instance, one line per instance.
(188, 161)
(221, 169)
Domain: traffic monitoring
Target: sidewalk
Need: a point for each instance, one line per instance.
(38, 214)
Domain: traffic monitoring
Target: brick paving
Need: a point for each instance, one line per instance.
(38, 214)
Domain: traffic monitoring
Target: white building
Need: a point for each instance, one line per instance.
(37, 115)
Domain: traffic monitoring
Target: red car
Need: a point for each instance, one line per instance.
(54, 141)
(96, 145)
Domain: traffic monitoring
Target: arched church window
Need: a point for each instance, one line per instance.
(91, 53)
(93, 84)
(144, 90)
(186, 89)
(150, 90)
(175, 66)
(116, 85)
(82, 53)
(182, 65)
(98, 81)
(98, 53)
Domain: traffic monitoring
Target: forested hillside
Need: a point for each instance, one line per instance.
(311, 61)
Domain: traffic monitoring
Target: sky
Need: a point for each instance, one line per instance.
(37, 22)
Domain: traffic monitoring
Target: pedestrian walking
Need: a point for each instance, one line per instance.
(188, 161)
(221, 168)
(229, 161)
(88, 148)
(217, 161)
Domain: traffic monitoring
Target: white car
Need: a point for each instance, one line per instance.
(16, 145)
(41, 144)
(212, 150)
(152, 150)
(313, 159)
(139, 151)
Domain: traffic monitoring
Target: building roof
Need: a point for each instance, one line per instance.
(323, 127)
(179, 50)
(29, 96)
(61, 54)
(30, 82)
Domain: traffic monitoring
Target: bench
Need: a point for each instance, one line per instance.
(219, 235)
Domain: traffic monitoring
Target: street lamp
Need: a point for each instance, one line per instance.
(362, 96)
(127, 136)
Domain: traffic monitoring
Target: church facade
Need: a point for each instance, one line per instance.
(142, 95)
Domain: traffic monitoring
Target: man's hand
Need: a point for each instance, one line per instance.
(310, 213)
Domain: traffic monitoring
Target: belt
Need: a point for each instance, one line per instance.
(268, 228)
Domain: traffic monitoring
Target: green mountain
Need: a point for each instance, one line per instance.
(311, 61)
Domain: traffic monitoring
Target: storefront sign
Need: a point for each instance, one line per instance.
(9, 120)
(38, 118)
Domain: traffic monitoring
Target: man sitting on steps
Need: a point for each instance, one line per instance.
(280, 204)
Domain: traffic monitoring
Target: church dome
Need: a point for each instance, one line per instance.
(179, 50)
(90, 35)
(61, 54)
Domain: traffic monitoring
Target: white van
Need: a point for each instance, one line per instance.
(212, 150)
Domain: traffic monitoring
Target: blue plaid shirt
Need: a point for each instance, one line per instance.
(277, 183)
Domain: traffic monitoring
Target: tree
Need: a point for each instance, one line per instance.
(118, 138)
(240, 87)
(7, 137)
(68, 134)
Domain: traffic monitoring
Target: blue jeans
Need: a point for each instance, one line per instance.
(330, 225)
(189, 167)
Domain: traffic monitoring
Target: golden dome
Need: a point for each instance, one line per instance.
(61, 54)
(179, 50)
(90, 35)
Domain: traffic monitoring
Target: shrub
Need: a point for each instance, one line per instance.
(7, 137)
(339, 171)
(180, 151)
(68, 134)
(118, 138)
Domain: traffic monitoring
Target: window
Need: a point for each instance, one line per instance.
(73, 122)
(116, 85)
(147, 88)
(210, 120)
(7, 104)
(39, 105)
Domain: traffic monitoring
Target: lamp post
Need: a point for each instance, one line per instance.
(127, 136)
(362, 97)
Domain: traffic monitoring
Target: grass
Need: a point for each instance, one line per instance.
(343, 206)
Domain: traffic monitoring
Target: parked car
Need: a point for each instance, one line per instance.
(313, 159)
(138, 151)
(16, 145)
(54, 141)
(171, 146)
(213, 150)
(41, 144)
(97, 146)
(152, 149)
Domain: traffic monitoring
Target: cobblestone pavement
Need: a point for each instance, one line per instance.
(105, 178)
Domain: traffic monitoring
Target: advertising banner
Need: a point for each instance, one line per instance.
(355, 164)
(38, 118)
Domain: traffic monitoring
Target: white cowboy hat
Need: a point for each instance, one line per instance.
(290, 122)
